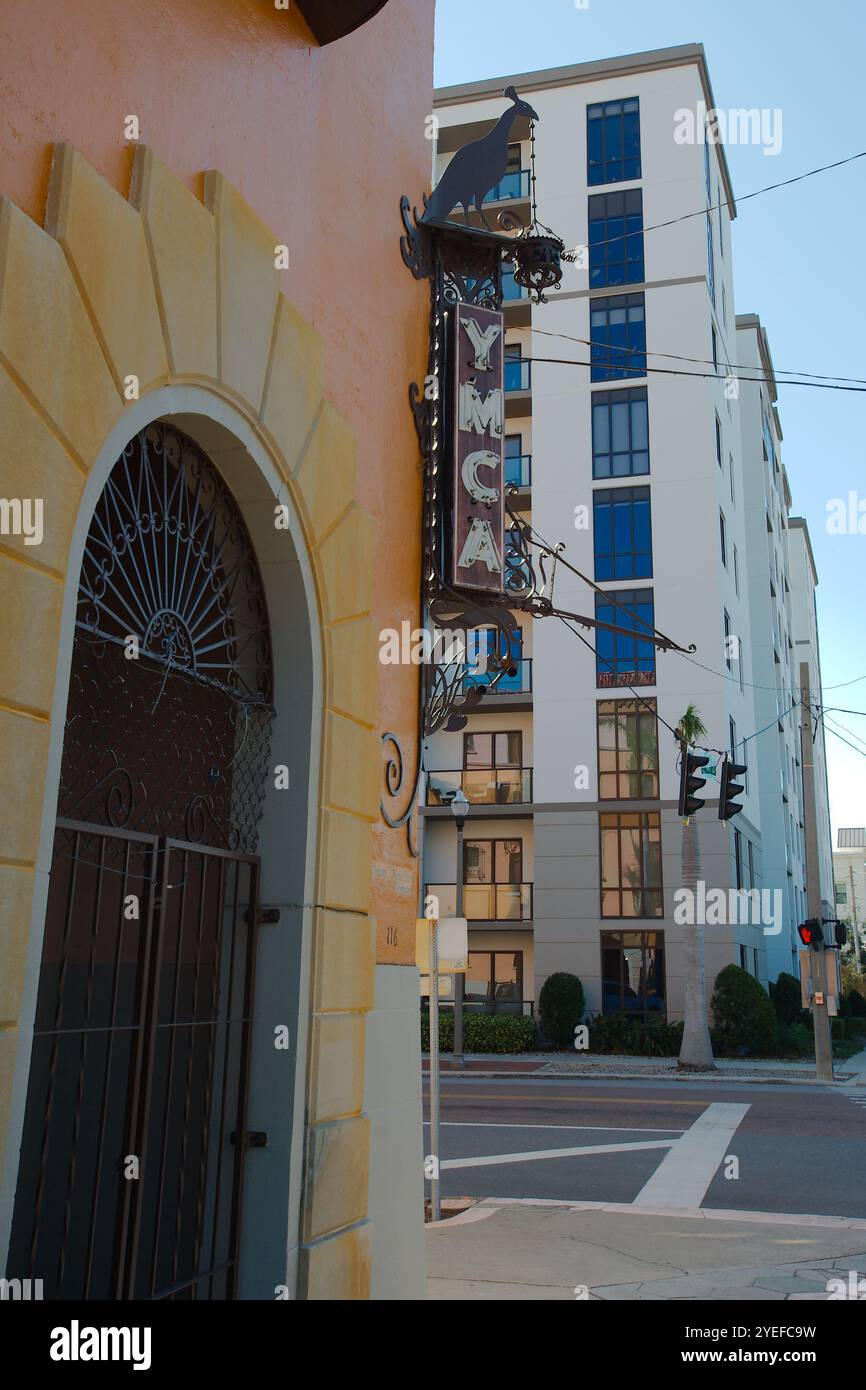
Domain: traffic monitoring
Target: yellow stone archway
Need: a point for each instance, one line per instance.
(171, 291)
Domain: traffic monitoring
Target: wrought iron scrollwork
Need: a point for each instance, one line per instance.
(394, 778)
(168, 565)
(465, 264)
(415, 243)
(530, 569)
(169, 717)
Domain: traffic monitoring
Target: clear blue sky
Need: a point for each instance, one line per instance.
(799, 253)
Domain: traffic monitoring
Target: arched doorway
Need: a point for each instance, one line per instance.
(130, 1173)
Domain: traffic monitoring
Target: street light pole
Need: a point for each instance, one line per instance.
(459, 807)
(820, 1012)
(855, 924)
(435, 1200)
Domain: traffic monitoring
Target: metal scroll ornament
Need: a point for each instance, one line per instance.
(169, 564)
(537, 258)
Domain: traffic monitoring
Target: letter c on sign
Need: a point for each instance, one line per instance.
(482, 458)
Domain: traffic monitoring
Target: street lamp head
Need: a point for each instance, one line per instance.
(459, 806)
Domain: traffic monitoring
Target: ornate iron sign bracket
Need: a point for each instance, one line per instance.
(463, 264)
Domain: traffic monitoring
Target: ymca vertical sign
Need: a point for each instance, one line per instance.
(477, 539)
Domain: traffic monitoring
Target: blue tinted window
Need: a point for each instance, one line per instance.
(613, 141)
(618, 337)
(518, 373)
(620, 433)
(620, 658)
(510, 287)
(616, 239)
(623, 533)
(711, 262)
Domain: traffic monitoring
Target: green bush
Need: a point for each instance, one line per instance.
(786, 997)
(851, 1029)
(795, 1040)
(481, 1032)
(623, 1034)
(560, 1008)
(744, 1020)
(856, 1004)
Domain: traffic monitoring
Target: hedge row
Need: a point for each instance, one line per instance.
(481, 1032)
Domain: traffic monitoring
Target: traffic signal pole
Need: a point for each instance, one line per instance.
(820, 1013)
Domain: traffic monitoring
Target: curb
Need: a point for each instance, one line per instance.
(710, 1078)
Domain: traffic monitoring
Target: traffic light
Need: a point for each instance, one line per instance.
(690, 783)
(840, 933)
(810, 933)
(730, 788)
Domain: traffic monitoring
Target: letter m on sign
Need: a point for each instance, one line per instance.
(476, 533)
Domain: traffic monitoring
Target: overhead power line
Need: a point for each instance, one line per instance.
(653, 707)
(618, 365)
(831, 730)
(724, 203)
(768, 188)
(703, 361)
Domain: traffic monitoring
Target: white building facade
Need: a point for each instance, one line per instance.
(638, 451)
(849, 872)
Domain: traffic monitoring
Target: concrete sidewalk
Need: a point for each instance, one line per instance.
(618, 1068)
(504, 1250)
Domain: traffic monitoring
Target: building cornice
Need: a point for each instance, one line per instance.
(624, 66)
(800, 523)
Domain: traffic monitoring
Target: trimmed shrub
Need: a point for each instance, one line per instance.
(854, 982)
(481, 1032)
(856, 1004)
(560, 1008)
(623, 1034)
(786, 997)
(795, 1040)
(744, 1020)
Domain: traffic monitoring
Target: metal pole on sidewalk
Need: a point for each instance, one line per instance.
(435, 1201)
(459, 807)
(820, 1012)
(855, 924)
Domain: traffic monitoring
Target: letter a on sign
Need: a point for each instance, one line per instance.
(477, 539)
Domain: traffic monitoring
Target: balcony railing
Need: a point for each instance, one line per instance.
(518, 469)
(513, 185)
(485, 902)
(518, 374)
(488, 786)
(518, 684)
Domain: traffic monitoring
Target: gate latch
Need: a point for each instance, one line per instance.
(251, 1138)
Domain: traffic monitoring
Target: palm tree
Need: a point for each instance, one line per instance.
(696, 1052)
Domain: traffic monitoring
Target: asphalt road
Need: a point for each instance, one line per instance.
(799, 1149)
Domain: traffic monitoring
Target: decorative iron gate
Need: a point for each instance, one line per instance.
(131, 1161)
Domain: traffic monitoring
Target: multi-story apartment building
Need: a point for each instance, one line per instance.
(776, 754)
(638, 447)
(849, 871)
(807, 656)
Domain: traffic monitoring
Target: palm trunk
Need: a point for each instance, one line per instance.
(696, 1052)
